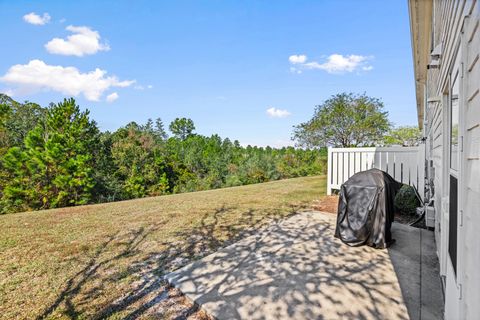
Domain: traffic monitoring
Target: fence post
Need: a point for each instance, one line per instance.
(329, 172)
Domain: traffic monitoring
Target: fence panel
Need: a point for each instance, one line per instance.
(404, 164)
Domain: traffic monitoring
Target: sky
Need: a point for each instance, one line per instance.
(246, 70)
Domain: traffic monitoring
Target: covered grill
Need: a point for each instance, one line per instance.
(365, 209)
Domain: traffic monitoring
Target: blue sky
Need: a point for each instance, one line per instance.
(223, 64)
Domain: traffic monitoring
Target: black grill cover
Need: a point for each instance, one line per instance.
(365, 209)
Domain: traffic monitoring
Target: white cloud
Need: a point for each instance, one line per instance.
(295, 70)
(112, 97)
(277, 113)
(36, 19)
(140, 87)
(83, 41)
(8, 92)
(38, 76)
(297, 58)
(335, 63)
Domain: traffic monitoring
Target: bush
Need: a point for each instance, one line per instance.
(406, 201)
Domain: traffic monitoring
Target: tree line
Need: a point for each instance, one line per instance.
(57, 156)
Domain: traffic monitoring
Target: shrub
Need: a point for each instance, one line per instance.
(406, 200)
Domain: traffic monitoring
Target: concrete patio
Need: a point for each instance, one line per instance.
(296, 269)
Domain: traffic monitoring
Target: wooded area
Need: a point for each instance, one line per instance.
(57, 156)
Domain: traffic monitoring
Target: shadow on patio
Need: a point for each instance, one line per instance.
(296, 269)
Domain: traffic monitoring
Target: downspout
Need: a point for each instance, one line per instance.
(424, 141)
(424, 202)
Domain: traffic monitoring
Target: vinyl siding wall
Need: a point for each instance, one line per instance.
(471, 224)
(456, 23)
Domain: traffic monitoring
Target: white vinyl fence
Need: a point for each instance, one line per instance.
(404, 164)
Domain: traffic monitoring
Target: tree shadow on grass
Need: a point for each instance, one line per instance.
(90, 271)
(149, 293)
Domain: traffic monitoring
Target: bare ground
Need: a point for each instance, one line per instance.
(326, 204)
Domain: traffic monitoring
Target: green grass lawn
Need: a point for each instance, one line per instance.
(106, 260)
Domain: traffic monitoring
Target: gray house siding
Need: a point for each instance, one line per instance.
(452, 26)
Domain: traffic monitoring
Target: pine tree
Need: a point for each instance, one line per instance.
(160, 129)
(55, 167)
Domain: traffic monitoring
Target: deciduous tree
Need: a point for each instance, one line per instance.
(406, 136)
(344, 120)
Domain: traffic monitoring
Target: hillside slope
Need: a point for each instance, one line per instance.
(106, 260)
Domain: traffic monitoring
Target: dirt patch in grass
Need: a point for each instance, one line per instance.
(108, 260)
(326, 204)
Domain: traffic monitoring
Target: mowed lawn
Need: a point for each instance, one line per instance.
(107, 260)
